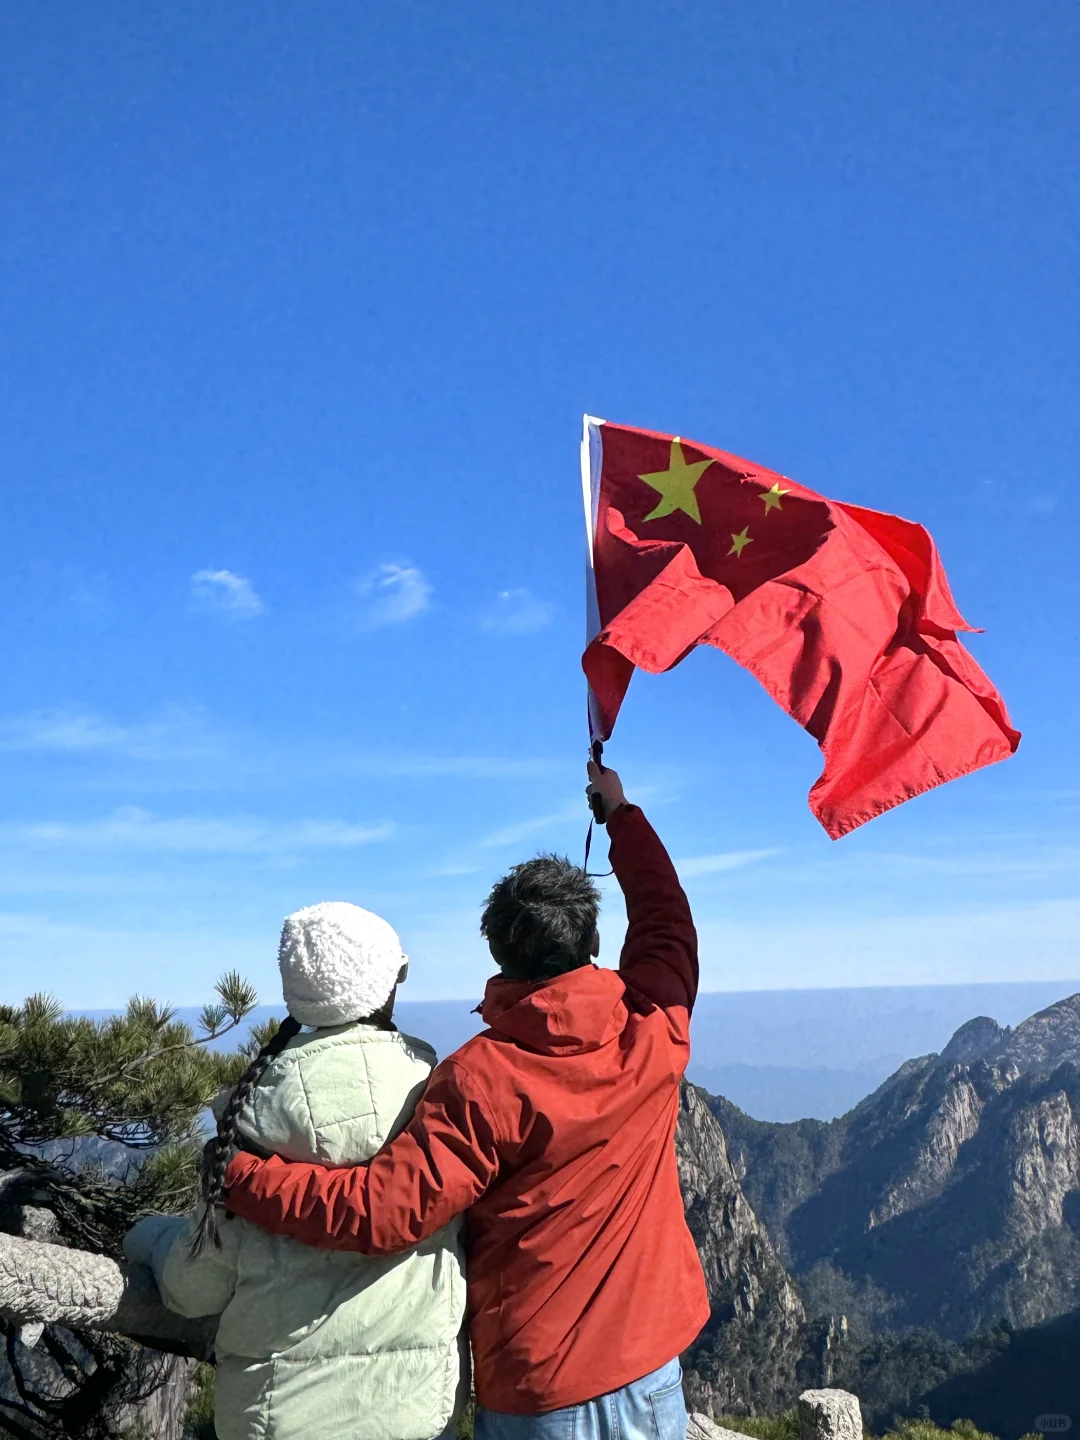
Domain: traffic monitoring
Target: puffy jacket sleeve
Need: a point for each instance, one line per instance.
(443, 1161)
(192, 1287)
(659, 957)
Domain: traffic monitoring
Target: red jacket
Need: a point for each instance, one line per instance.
(554, 1129)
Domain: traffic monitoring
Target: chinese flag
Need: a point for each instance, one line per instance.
(843, 614)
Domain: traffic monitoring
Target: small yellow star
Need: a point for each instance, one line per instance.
(739, 542)
(676, 485)
(772, 497)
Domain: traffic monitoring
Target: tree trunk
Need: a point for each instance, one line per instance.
(161, 1415)
(42, 1283)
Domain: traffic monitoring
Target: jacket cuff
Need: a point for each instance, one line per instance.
(241, 1167)
(620, 817)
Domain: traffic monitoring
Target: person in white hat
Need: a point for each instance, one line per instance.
(320, 1342)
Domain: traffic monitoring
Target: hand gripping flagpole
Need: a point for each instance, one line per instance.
(592, 458)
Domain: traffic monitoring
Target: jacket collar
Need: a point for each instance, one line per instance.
(569, 1015)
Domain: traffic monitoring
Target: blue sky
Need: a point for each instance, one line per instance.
(300, 307)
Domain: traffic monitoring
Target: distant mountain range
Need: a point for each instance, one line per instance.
(916, 1250)
(786, 1054)
(950, 1197)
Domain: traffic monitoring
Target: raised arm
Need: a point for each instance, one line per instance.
(436, 1168)
(659, 956)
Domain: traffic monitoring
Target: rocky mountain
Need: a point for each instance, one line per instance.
(751, 1348)
(949, 1198)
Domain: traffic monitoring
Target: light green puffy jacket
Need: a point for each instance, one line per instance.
(317, 1343)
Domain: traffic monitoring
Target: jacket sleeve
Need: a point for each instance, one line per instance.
(659, 957)
(192, 1287)
(444, 1160)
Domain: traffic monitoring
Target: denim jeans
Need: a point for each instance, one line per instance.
(651, 1408)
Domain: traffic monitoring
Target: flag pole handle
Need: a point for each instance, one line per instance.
(596, 805)
(596, 802)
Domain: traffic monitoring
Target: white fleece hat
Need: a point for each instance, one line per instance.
(338, 963)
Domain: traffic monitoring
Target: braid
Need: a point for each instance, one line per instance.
(214, 1179)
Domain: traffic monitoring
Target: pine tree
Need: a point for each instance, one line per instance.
(101, 1121)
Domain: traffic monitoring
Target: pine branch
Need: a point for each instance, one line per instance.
(148, 1055)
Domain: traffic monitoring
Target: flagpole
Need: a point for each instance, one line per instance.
(592, 459)
(592, 462)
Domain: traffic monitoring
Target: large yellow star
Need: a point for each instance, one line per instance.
(772, 497)
(739, 542)
(676, 485)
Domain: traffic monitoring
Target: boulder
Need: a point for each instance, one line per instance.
(829, 1415)
(700, 1427)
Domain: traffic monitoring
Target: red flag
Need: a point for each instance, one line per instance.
(843, 614)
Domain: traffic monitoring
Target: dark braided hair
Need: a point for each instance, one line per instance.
(214, 1174)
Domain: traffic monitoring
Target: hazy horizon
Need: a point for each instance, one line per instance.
(782, 1054)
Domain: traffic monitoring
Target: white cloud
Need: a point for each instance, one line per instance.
(224, 593)
(1029, 858)
(60, 730)
(1044, 504)
(132, 828)
(574, 811)
(696, 865)
(517, 612)
(523, 829)
(91, 967)
(19, 880)
(393, 593)
(185, 734)
(72, 732)
(449, 767)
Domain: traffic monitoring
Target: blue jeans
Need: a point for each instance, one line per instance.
(651, 1408)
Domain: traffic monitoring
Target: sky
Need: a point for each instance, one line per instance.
(300, 309)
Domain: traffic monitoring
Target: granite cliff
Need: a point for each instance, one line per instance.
(749, 1353)
(949, 1198)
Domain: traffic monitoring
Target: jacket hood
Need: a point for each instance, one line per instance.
(335, 1096)
(569, 1015)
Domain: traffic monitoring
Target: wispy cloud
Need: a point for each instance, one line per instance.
(222, 593)
(1044, 504)
(42, 877)
(82, 732)
(90, 966)
(445, 767)
(517, 612)
(185, 734)
(696, 865)
(132, 828)
(573, 810)
(392, 594)
(524, 829)
(1030, 860)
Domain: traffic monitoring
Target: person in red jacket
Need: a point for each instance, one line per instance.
(553, 1129)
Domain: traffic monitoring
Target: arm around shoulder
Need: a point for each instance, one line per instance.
(443, 1161)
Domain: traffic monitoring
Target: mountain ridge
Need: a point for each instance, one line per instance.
(949, 1197)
